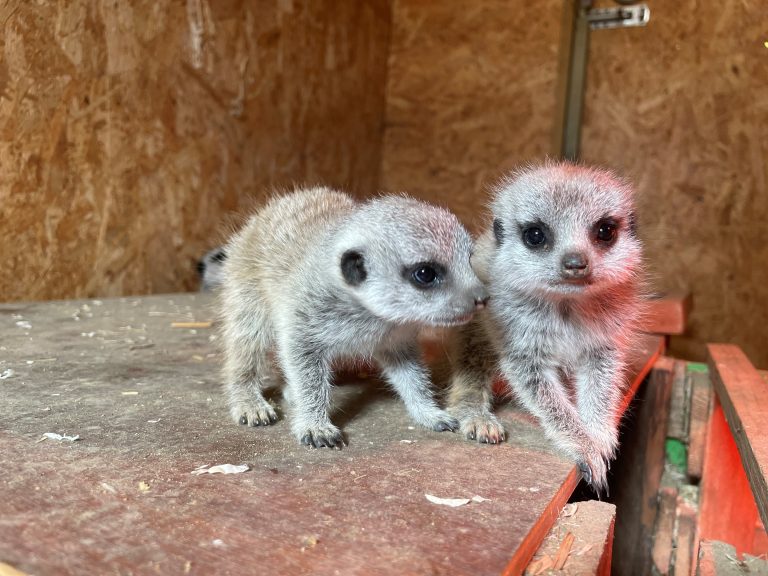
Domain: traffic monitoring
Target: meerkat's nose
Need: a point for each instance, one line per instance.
(481, 299)
(574, 265)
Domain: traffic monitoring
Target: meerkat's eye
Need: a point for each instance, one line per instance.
(605, 230)
(534, 236)
(425, 274)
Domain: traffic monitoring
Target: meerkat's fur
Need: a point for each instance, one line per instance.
(318, 277)
(210, 268)
(563, 266)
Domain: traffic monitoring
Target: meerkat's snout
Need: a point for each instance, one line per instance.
(481, 299)
(575, 266)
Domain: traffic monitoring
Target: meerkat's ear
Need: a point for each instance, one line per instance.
(353, 267)
(498, 231)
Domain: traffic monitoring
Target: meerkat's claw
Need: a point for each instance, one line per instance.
(595, 474)
(445, 423)
(329, 437)
(254, 413)
(484, 428)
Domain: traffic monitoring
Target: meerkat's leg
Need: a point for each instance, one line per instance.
(247, 367)
(405, 371)
(308, 391)
(541, 392)
(471, 390)
(598, 395)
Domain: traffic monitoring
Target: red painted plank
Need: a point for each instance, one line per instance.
(667, 314)
(742, 391)
(728, 509)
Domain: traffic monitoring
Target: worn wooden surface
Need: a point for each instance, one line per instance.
(701, 391)
(679, 404)
(741, 392)
(580, 542)
(145, 399)
(664, 530)
(722, 559)
(637, 472)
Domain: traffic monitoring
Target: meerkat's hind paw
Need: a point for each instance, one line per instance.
(325, 436)
(483, 427)
(253, 413)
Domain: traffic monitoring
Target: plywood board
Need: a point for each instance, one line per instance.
(131, 131)
(145, 399)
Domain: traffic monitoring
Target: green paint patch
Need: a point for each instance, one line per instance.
(698, 367)
(677, 454)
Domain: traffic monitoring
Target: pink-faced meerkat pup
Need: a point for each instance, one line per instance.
(563, 266)
(317, 277)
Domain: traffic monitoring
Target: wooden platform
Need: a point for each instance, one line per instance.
(145, 399)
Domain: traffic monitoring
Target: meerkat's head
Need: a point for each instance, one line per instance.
(407, 261)
(563, 230)
(210, 268)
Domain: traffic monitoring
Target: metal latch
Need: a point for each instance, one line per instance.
(620, 17)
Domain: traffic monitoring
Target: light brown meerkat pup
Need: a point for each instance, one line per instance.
(563, 266)
(318, 277)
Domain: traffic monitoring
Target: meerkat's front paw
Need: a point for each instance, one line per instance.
(438, 420)
(483, 427)
(594, 470)
(322, 436)
(253, 413)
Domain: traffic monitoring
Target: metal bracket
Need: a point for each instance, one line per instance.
(579, 18)
(621, 17)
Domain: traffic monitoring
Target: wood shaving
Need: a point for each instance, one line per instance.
(584, 550)
(206, 324)
(222, 469)
(564, 551)
(8, 570)
(59, 437)
(452, 502)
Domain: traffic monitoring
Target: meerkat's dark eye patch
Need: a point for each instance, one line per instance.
(498, 231)
(536, 235)
(425, 274)
(353, 268)
(605, 230)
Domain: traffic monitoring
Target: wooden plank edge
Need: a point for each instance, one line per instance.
(530, 544)
(525, 552)
(667, 313)
(719, 356)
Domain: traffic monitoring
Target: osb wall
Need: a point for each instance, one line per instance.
(680, 106)
(470, 94)
(129, 129)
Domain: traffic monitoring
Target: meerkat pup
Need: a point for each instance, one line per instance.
(563, 266)
(317, 277)
(210, 269)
